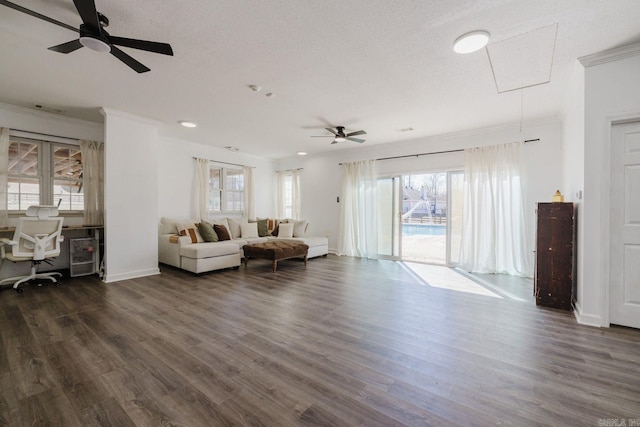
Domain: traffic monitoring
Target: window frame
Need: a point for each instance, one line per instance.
(45, 173)
(223, 190)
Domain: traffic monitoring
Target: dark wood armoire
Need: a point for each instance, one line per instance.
(554, 269)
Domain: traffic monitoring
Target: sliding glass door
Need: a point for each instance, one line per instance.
(420, 217)
(388, 217)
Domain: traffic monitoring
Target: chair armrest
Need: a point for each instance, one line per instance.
(5, 241)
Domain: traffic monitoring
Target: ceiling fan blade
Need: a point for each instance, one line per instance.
(355, 139)
(358, 132)
(321, 136)
(37, 15)
(67, 47)
(332, 131)
(140, 68)
(88, 13)
(163, 48)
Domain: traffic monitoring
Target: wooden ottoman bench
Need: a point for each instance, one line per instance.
(275, 251)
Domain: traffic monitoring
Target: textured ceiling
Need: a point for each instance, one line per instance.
(377, 65)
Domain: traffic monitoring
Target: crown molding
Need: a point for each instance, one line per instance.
(106, 112)
(610, 55)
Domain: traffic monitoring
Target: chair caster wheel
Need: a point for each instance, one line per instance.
(56, 284)
(19, 290)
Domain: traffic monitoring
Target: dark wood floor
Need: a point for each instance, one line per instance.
(343, 341)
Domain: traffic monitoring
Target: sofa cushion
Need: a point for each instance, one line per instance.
(299, 228)
(234, 226)
(222, 232)
(208, 249)
(207, 231)
(220, 221)
(188, 228)
(285, 230)
(249, 230)
(262, 226)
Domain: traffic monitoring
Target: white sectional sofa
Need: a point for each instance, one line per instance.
(180, 251)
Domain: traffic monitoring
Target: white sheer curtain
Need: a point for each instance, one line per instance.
(4, 174)
(93, 181)
(200, 189)
(248, 192)
(358, 213)
(280, 197)
(494, 234)
(295, 194)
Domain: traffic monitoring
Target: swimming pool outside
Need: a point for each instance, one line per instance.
(424, 230)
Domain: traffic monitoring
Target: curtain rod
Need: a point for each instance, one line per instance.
(435, 152)
(44, 134)
(227, 163)
(291, 170)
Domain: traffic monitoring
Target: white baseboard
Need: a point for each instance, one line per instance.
(586, 319)
(110, 278)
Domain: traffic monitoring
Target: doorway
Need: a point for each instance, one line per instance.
(420, 217)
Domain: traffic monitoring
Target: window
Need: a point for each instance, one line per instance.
(226, 189)
(44, 172)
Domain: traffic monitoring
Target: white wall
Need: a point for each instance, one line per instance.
(573, 127)
(175, 176)
(321, 179)
(131, 196)
(612, 91)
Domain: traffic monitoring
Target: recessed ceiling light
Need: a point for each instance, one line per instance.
(470, 42)
(187, 124)
(301, 153)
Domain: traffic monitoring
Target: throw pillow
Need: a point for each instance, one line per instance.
(220, 221)
(285, 230)
(262, 226)
(222, 232)
(207, 231)
(234, 226)
(299, 228)
(272, 223)
(249, 230)
(191, 230)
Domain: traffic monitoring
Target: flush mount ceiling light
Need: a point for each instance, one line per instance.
(471, 42)
(187, 124)
(301, 153)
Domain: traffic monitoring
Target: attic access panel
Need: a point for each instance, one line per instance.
(524, 60)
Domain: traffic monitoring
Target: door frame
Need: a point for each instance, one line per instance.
(396, 221)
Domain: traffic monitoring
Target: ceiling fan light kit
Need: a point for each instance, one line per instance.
(340, 136)
(95, 44)
(95, 37)
(471, 42)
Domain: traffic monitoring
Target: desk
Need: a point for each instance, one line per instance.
(62, 262)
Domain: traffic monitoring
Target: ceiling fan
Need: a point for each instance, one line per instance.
(94, 36)
(340, 136)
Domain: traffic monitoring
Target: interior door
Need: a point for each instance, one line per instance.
(625, 225)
